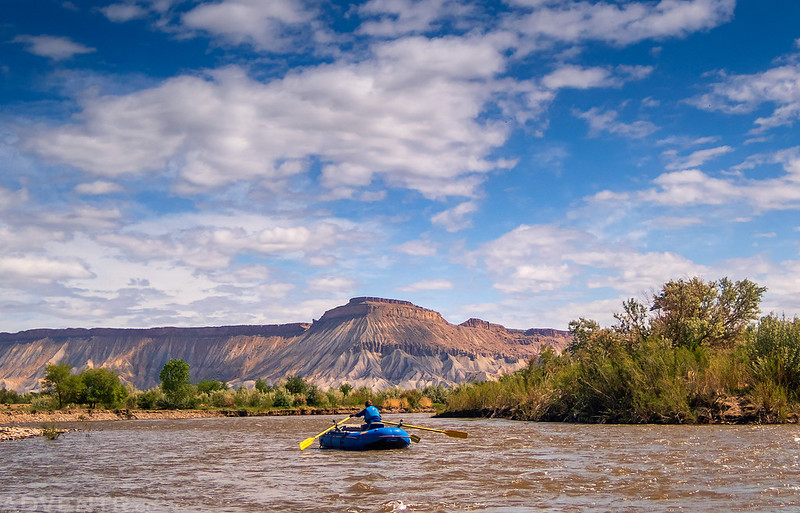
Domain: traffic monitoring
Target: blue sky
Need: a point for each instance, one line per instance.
(529, 162)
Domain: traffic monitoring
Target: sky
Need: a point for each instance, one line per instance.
(526, 162)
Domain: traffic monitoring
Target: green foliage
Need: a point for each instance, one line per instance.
(315, 396)
(262, 386)
(281, 399)
(175, 384)
(102, 386)
(345, 388)
(50, 431)
(691, 313)
(296, 385)
(206, 386)
(437, 394)
(581, 330)
(62, 384)
(774, 350)
(10, 397)
(149, 399)
(685, 364)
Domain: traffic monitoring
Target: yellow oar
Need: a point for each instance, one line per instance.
(448, 432)
(308, 441)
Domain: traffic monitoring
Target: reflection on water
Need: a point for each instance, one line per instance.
(254, 464)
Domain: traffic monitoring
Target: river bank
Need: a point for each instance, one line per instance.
(21, 416)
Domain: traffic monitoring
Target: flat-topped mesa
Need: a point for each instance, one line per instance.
(474, 322)
(379, 307)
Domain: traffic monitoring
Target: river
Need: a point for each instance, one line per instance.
(253, 464)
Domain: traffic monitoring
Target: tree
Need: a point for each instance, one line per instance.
(692, 313)
(175, 382)
(581, 331)
(102, 386)
(633, 322)
(262, 386)
(296, 385)
(345, 389)
(211, 385)
(60, 382)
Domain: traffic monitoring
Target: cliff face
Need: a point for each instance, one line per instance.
(369, 341)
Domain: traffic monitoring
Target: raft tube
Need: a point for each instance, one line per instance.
(356, 439)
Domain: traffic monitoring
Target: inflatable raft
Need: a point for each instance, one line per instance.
(377, 437)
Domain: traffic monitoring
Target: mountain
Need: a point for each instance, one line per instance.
(369, 341)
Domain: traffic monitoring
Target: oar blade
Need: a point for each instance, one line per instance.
(415, 438)
(305, 444)
(455, 434)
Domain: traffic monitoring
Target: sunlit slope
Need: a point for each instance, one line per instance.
(369, 341)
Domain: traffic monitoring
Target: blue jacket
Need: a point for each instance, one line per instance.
(370, 414)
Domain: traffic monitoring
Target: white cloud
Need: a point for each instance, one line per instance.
(41, 268)
(332, 284)
(456, 218)
(696, 158)
(265, 25)
(739, 94)
(436, 284)
(624, 23)
(53, 47)
(578, 78)
(398, 17)
(98, 187)
(120, 13)
(410, 115)
(606, 121)
(418, 248)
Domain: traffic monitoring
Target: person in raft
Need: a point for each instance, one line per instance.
(371, 416)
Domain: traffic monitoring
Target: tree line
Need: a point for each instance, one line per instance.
(102, 388)
(695, 352)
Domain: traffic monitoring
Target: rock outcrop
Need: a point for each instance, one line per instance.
(369, 341)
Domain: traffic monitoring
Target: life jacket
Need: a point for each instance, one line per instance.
(371, 414)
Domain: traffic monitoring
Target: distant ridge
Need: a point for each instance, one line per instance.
(369, 341)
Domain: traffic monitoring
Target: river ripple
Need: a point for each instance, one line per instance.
(254, 464)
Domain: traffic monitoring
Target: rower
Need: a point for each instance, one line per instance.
(372, 417)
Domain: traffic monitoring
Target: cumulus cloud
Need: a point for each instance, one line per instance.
(543, 258)
(392, 18)
(410, 115)
(606, 121)
(622, 23)
(456, 218)
(740, 94)
(53, 47)
(269, 25)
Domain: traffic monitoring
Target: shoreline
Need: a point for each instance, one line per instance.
(13, 417)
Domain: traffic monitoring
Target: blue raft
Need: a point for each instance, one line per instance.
(377, 437)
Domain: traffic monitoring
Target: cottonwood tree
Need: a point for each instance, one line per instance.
(175, 382)
(690, 313)
(60, 382)
(102, 386)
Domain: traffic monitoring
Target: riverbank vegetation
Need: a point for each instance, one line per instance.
(63, 389)
(694, 354)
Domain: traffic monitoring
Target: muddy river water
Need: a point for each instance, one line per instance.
(254, 464)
